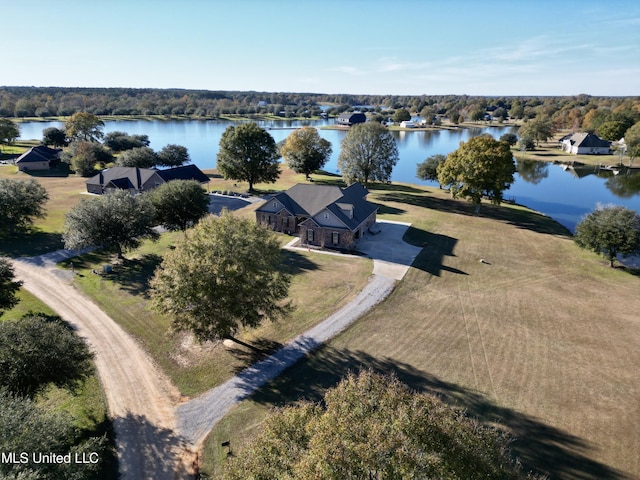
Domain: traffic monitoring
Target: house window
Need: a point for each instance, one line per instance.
(310, 235)
(275, 205)
(285, 222)
(335, 238)
(326, 215)
(267, 218)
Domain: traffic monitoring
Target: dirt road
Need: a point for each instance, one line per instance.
(141, 398)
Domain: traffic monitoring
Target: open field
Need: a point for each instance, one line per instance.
(542, 339)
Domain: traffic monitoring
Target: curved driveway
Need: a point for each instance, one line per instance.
(155, 439)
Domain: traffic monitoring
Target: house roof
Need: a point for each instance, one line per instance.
(134, 177)
(115, 175)
(586, 140)
(347, 204)
(39, 153)
(185, 172)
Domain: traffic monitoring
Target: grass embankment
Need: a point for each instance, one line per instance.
(541, 338)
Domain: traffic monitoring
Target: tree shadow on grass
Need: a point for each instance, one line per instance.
(435, 247)
(255, 351)
(145, 448)
(295, 263)
(29, 243)
(133, 275)
(520, 218)
(541, 448)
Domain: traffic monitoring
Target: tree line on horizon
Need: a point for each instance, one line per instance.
(567, 112)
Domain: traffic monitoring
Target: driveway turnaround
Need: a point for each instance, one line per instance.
(391, 255)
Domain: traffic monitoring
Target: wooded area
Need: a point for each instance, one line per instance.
(567, 112)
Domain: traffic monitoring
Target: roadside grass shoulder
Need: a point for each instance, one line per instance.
(503, 315)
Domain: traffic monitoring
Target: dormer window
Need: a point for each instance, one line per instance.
(275, 204)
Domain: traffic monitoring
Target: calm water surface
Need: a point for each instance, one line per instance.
(563, 194)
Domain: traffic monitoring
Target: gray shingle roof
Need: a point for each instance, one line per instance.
(347, 204)
(38, 154)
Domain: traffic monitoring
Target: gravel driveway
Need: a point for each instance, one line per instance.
(154, 438)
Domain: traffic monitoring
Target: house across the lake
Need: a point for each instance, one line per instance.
(585, 144)
(138, 180)
(38, 158)
(323, 215)
(351, 118)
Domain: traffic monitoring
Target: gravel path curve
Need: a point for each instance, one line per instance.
(140, 397)
(155, 439)
(197, 416)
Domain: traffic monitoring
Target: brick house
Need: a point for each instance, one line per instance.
(323, 215)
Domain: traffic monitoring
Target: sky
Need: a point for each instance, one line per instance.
(390, 47)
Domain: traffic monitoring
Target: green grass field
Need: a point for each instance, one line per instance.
(541, 338)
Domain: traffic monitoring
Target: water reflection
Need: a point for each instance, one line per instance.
(625, 184)
(531, 171)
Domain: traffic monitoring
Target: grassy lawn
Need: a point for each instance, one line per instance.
(541, 339)
(321, 284)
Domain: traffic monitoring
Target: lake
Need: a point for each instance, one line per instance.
(565, 195)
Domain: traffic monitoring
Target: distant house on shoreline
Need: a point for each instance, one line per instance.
(323, 215)
(585, 144)
(351, 118)
(138, 180)
(38, 158)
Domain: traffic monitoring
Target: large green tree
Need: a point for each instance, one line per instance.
(481, 166)
(305, 151)
(224, 277)
(26, 427)
(8, 286)
(21, 202)
(368, 153)
(539, 129)
(54, 136)
(116, 221)
(179, 204)
(141, 157)
(428, 170)
(401, 115)
(612, 131)
(173, 156)
(248, 154)
(610, 231)
(83, 157)
(36, 351)
(84, 126)
(119, 141)
(370, 427)
(632, 141)
(9, 131)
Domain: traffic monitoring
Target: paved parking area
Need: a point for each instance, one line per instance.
(392, 256)
(218, 202)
